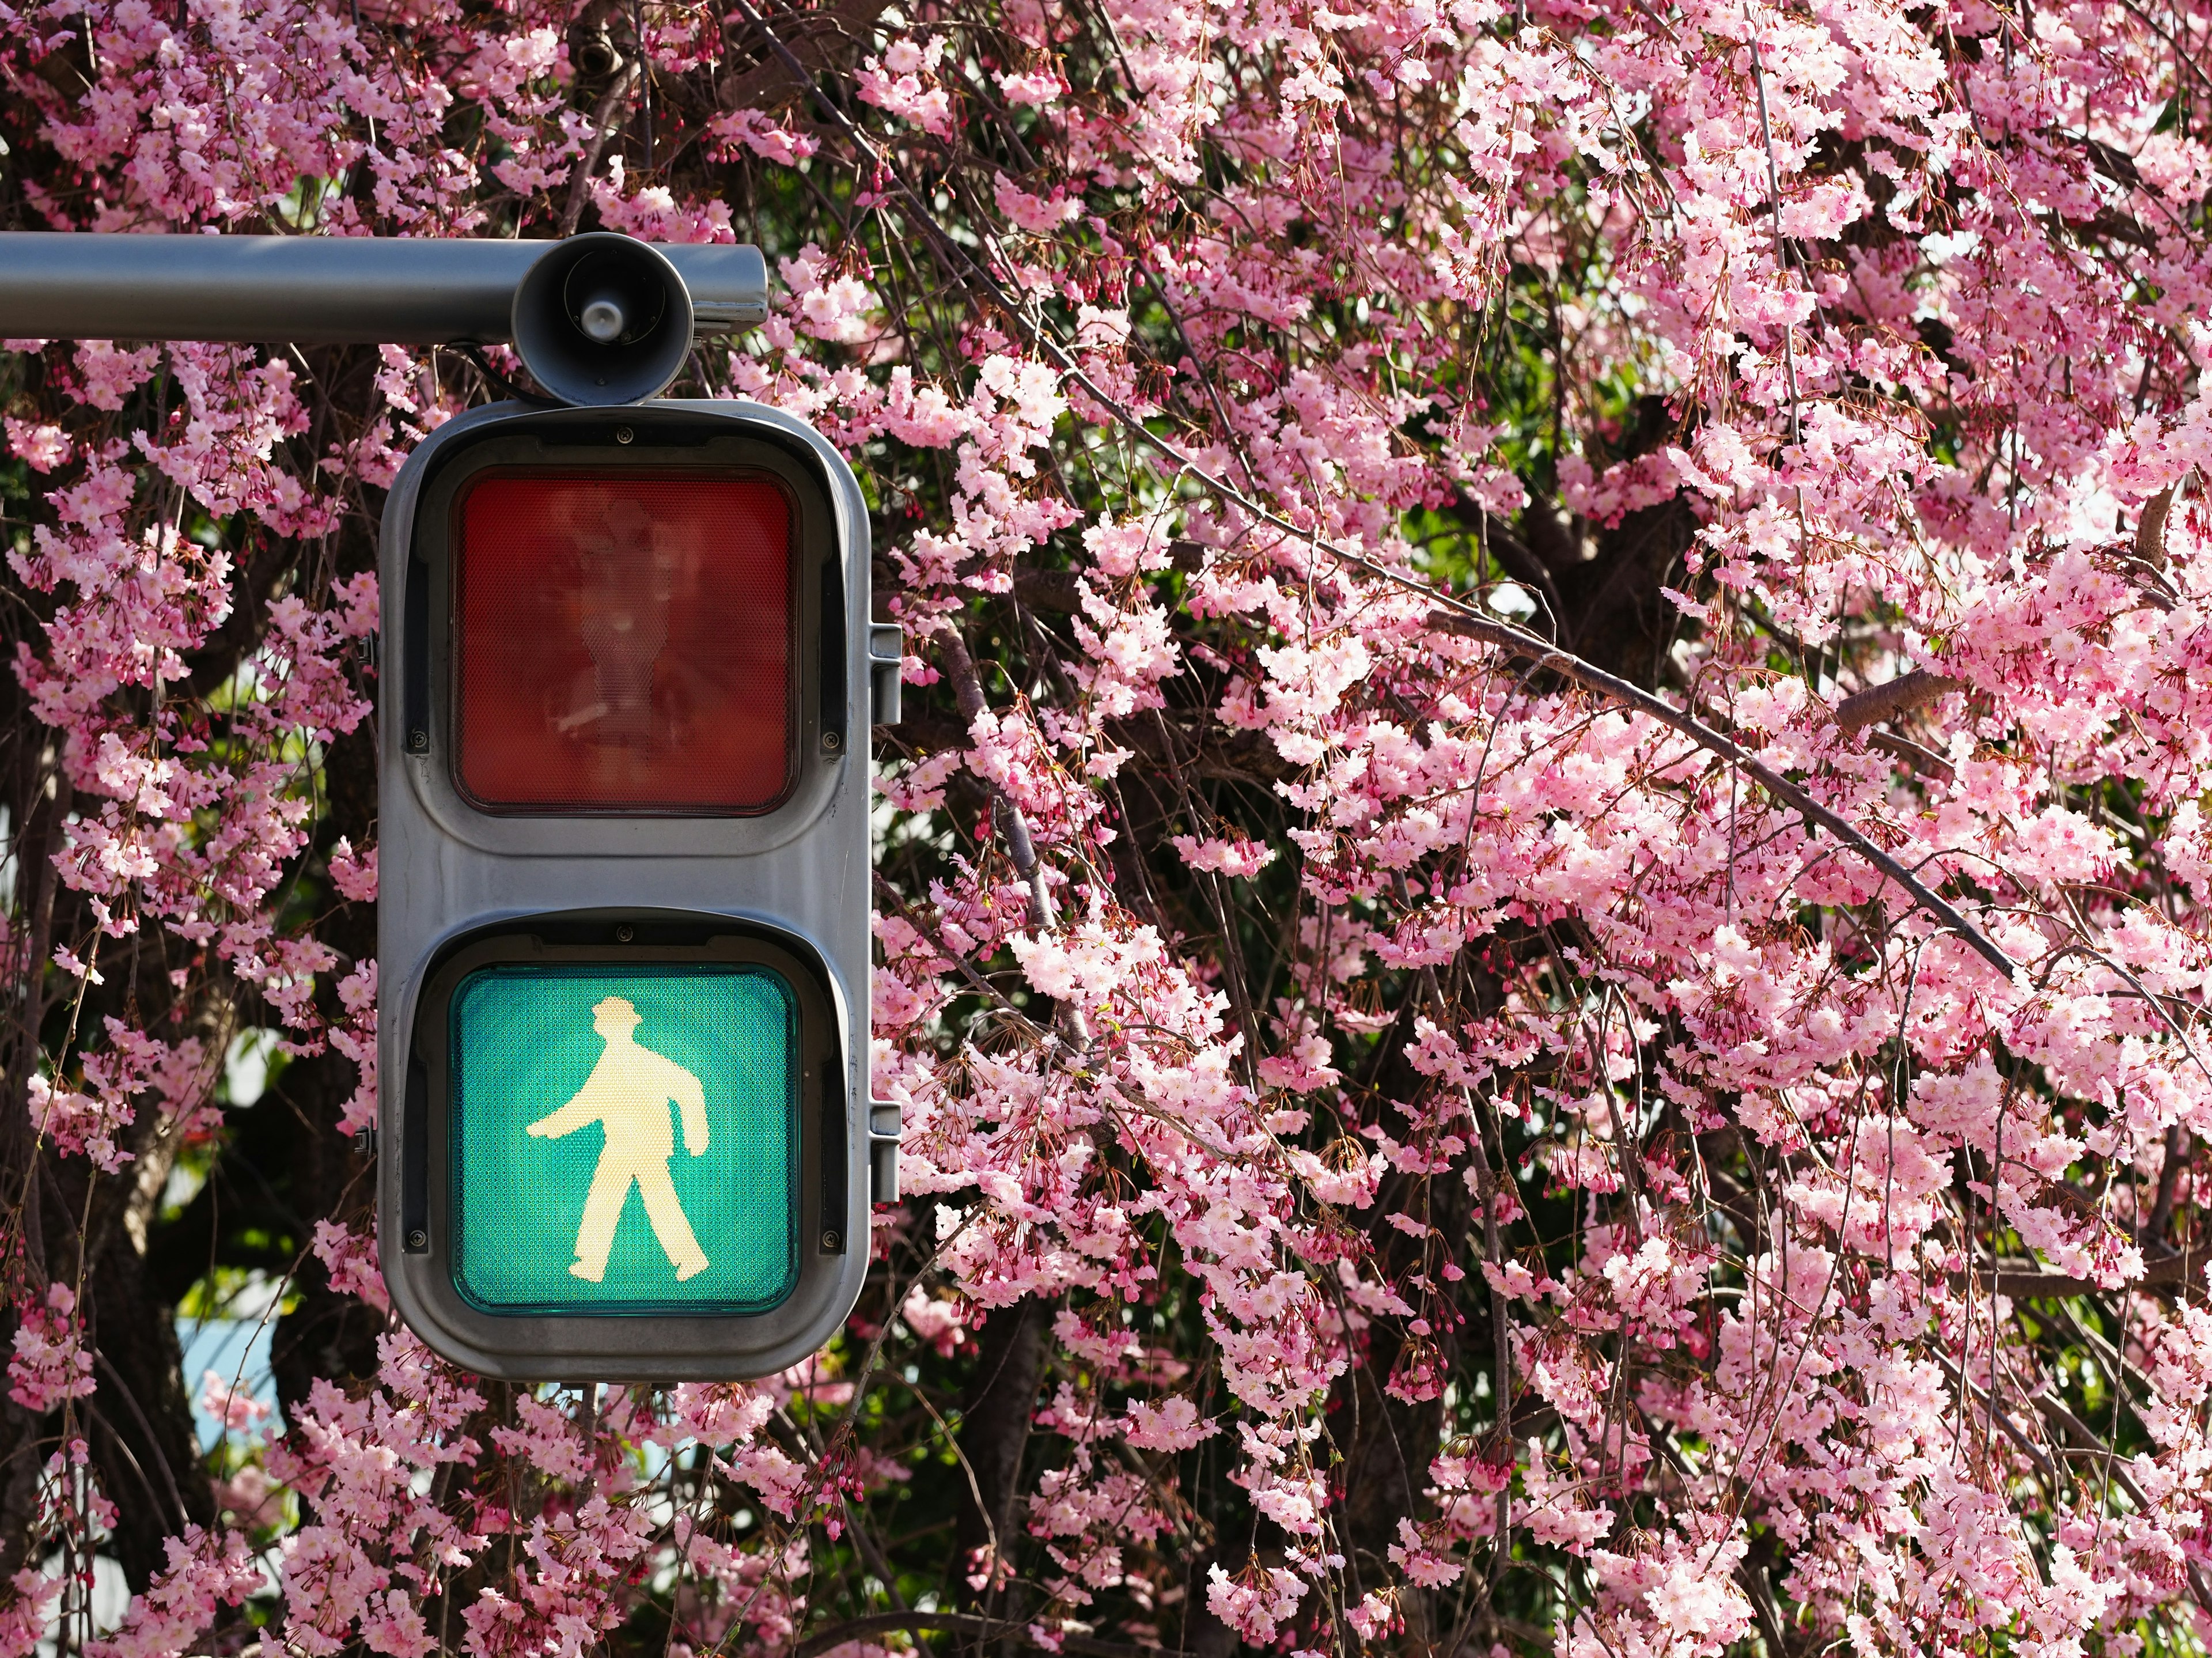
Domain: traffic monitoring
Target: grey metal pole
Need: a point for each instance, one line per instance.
(313, 290)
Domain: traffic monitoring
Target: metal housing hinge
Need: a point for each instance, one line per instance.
(884, 1148)
(886, 660)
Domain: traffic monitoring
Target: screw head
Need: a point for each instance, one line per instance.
(418, 741)
(623, 434)
(833, 741)
(831, 1240)
(625, 933)
(418, 1240)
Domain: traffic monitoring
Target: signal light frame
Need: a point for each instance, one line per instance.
(648, 1340)
(794, 878)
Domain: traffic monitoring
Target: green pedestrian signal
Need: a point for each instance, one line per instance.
(625, 1141)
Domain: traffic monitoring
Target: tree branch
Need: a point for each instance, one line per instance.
(579, 181)
(2022, 1281)
(1899, 695)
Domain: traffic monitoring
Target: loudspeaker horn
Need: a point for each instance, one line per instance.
(601, 319)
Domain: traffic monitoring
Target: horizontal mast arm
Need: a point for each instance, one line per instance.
(314, 290)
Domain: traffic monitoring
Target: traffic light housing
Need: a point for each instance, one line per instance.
(626, 678)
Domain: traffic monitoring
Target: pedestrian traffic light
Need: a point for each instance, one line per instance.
(624, 690)
(626, 686)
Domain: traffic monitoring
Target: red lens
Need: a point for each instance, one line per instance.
(622, 643)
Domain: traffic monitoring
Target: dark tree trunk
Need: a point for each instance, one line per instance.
(1388, 1443)
(1601, 585)
(20, 1456)
(141, 1438)
(994, 1428)
(327, 1334)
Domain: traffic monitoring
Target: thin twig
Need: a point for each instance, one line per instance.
(1774, 204)
(579, 181)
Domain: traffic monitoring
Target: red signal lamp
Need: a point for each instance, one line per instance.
(625, 643)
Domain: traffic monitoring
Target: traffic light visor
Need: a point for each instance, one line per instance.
(623, 642)
(624, 1140)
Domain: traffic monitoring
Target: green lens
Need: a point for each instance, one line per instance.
(624, 1140)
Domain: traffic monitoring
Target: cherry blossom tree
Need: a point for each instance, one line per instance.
(1543, 908)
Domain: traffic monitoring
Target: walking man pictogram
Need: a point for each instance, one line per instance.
(629, 1090)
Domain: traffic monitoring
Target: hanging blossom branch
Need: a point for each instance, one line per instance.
(1464, 619)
